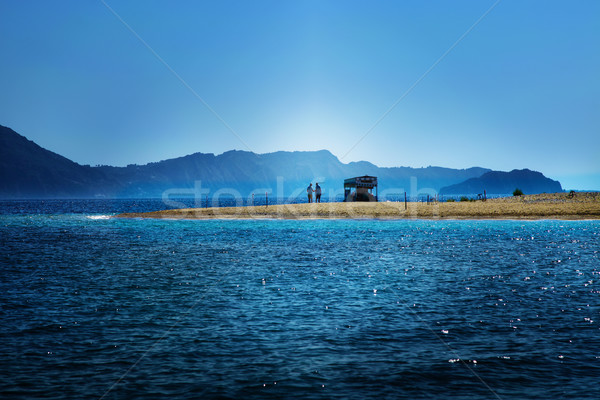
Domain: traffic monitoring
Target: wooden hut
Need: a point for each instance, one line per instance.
(363, 188)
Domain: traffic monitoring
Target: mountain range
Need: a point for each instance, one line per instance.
(30, 171)
(530, 182)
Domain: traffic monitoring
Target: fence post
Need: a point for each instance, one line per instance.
(405, 206)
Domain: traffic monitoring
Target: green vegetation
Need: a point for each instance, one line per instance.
(518, 192)
(450, 201)
(464, 198)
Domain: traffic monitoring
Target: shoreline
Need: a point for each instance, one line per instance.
(556, 206)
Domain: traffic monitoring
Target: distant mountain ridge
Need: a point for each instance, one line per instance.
(28, 170)
(497, 182)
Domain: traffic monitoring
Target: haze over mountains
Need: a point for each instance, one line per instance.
(530, 182)
(28, 170)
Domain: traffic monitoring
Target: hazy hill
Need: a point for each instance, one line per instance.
(28, 170)
(496, 182)
(281, 173)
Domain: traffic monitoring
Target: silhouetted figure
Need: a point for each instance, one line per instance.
(309, 191)
(318, 193)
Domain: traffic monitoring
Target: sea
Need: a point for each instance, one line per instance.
(95, 307)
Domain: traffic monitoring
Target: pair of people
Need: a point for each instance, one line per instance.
(316, 190)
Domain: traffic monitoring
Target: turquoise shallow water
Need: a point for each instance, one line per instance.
(93, 307)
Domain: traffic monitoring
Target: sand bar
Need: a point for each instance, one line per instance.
(543, 206)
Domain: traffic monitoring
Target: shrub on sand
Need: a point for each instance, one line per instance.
(518, 192)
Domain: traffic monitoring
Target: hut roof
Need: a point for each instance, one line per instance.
(365, 181)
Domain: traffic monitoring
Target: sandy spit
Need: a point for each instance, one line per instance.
(543, 206)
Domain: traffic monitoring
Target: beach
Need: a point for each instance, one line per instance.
(582, 205)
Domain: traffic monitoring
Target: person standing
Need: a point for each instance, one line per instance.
(318, 193)
(309, 191)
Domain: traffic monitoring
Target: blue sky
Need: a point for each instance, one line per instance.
(519, 90)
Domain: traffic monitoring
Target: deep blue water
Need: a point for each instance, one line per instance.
(93, 307)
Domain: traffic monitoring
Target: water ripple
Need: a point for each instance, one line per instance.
(311, 309)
